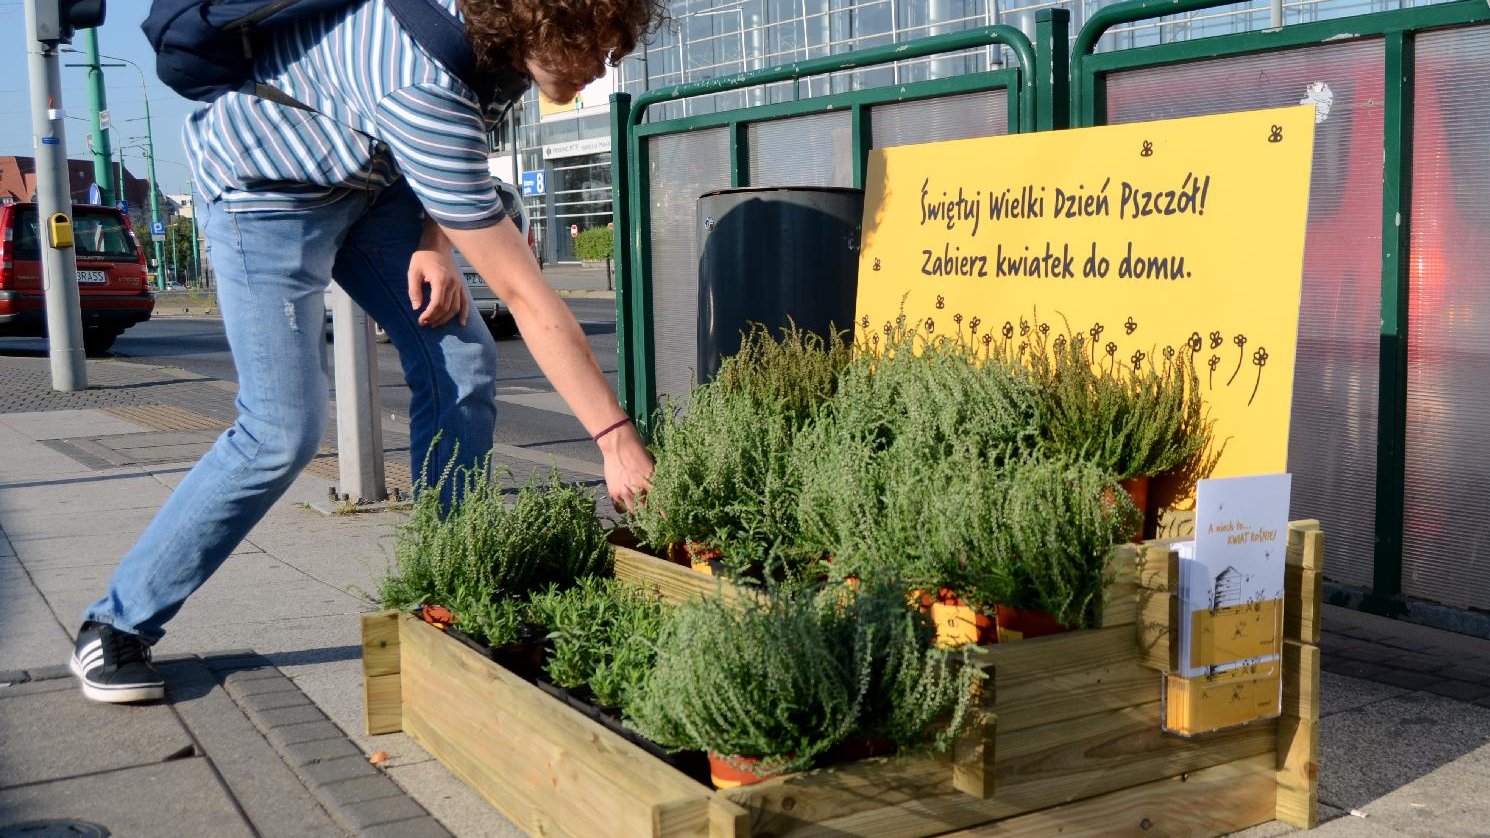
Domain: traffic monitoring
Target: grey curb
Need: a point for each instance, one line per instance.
(359, 796)
(425, 827)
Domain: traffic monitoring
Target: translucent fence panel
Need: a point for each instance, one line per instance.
(816, 150)
(984, 114)
(1332, 440)
(1446, 557)
(681, 167)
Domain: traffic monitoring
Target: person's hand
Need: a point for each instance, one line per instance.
(628, 466)
(447, 292)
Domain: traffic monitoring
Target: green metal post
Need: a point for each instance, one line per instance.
(739, 155)
(1391, 422)
(160, 266)
(196, 245)
(97, 104)
(620, 111)
(1052, 69)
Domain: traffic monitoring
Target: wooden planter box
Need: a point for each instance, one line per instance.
(1069, 742)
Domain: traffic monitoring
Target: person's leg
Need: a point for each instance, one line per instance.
(450, 369)
(271, 268)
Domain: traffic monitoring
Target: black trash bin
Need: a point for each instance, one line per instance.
(774, 255)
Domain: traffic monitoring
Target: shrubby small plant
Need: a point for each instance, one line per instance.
(787, 675)
(1133, 421)
(602, 634)
(483, 550)
(725, 475)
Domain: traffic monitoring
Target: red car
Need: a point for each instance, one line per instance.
(112, 286)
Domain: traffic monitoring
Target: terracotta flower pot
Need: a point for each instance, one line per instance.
(1018, 624)
(1138, 491)
(733, 772)
(437, 615)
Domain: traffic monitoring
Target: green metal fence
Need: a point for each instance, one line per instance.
(1384, 444)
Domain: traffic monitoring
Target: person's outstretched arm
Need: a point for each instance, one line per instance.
(501, 256)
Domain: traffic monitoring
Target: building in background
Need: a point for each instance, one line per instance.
(560, 155)
(18, 181)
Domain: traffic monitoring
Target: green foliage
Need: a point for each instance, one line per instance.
(918, 695)
(602, 633)
(1057, 523)
(484, 550)
(1133, 421)
(595, 244)
(725, 474)
(894, 472)
(495, 622)
(787, 675)
(767, 677)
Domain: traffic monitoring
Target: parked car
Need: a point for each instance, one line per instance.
(484, 301)
(112, 287)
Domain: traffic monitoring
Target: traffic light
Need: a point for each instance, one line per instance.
(56, 20)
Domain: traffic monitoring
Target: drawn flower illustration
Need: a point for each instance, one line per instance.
(1241, 344)
(1195, 342)
(1044, 328)
(1259, 360)
(1008, 330)
(864, 322)
(941, 302)
(975, 323)
(1060, 344)
(1131, 325)
(1213, 362)
(1024, 327)
(930, 325)
(1216, 339)
(1137, 359)
(1169, 353)
(1111, 348)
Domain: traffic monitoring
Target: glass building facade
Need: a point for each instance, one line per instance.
(563, 159)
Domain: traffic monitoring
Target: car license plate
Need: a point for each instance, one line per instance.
(95, 277)
(473, 279)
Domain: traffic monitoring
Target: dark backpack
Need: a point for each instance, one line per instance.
(205, 48)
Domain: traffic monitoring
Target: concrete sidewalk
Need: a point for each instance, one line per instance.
(262, 730)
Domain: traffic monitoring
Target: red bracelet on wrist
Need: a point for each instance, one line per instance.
(610, 428)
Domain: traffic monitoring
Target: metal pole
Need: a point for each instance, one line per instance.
(98, 103)
(196, 248)
(59, 264)
(359, 421)
(1275, 13)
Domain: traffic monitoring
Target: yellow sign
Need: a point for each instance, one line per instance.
(1144, 239)
(1237, 632)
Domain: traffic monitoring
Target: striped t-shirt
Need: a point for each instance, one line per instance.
(383, 108)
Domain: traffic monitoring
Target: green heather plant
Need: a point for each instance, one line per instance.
(602, 633)
(892, 469)
(1058, 520)
(725, 476)
(918, 695)
(1132, 420)
(767, 677)
(484, 549)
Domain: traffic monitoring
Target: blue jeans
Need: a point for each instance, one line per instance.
(271, 270)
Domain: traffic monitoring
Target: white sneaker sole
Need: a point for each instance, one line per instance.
(115, 695)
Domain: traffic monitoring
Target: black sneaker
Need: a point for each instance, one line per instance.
(114, 666)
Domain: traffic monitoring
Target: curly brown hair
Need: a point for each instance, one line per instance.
(567, 37)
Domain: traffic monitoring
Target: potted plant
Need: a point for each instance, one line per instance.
(483, 556)
(896, 469)
(1138, 421)
(725, 486)
(762, 685)
(602, 634)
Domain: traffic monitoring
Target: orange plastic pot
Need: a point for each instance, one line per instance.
(1018, 624)
(733, 772)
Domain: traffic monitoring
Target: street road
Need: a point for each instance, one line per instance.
(530, 414)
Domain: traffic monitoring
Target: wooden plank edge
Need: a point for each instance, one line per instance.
(1221, 799)
(382, 685)
(728, 819)
(973, 769)
(1158, 644)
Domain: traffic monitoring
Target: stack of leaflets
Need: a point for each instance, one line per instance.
(1231, 607)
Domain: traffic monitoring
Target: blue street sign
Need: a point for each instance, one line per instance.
(51, 141)
(157, 228)
(122, 205)
(534, 183)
